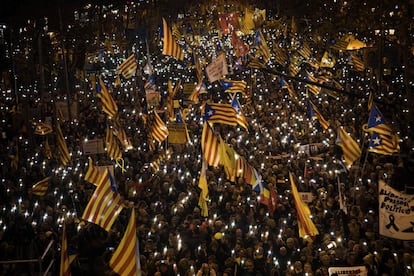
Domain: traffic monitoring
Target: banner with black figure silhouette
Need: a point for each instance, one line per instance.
(396, 213)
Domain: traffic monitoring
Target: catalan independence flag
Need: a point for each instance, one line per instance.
(384, 144)
(170, 46)
(315, 113)
(312, 88)
(261, 45)
(105, 204)
(376, 122)
(289, 88)
(40, 187)
(220, 113)
(241, 119)
(210, 146)
(233, 86)
(125, 260)
(108, 104)
(128, 67)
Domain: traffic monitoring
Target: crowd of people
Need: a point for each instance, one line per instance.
(240, 235)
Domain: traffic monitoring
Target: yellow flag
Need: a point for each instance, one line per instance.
(202, 184)
(228, 160)
(307, 228)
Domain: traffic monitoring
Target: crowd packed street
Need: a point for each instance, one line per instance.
(145, 127)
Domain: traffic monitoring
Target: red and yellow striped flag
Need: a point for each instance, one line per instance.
(240, 166)
(40, 187)
(93, 174)
(105, 204)
(159, 129)
(128, 67)
(312, 88)
(175, 31)
(170, 46)
(289, 88)
(261, 45)
(63, 151)
(125, 260)
(210, 146)
(241, 119)
(315, 113)
(113, 149)
(305, 51)
(357, 63)
(350, 147)
(64, 256)
(307, 228)
(123, 138)
(108, 104)
(220, 113)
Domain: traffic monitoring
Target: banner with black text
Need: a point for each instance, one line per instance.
(396, 213)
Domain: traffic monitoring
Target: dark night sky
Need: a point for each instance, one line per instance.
(16, 12)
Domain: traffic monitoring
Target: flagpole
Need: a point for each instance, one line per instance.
(362, 169)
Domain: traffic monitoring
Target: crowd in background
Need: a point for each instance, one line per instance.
(240, 236)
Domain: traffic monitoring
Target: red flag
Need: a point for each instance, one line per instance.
(240, 48)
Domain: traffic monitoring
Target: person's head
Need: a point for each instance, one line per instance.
(298, 266)
(283, 251)
(307, 267)
(326, 260)
(249, 265)
(290, 243)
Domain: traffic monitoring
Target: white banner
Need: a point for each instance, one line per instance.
(93, 146)
(396, 213)
(217, 68)
(310, 149)
(348, 271)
